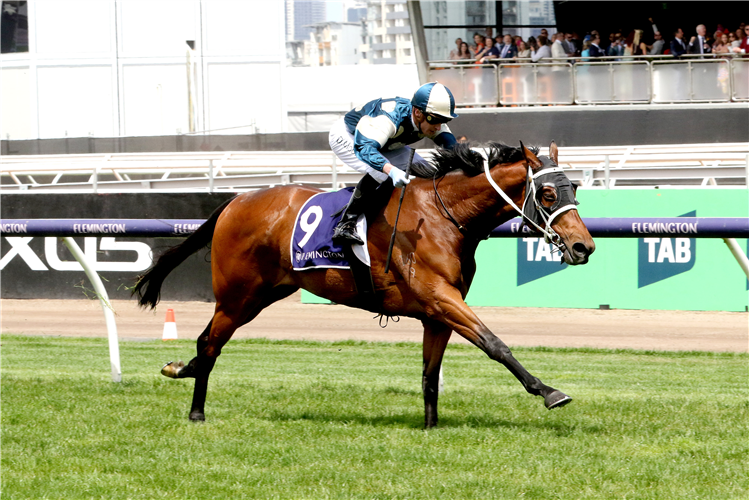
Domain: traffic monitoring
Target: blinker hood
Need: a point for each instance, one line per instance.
(549, 175)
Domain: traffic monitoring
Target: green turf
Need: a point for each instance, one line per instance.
(344, 420)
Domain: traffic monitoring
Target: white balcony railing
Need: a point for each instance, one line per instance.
(605, 80)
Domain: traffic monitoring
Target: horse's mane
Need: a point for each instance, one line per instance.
(462, 156)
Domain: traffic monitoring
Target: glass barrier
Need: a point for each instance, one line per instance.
(480, 84)
(711, 81)
(740, 79)
(593, 83)
(632, 82)
(612, 81)
(535, 84)
(517, 84)
(452, 78)
(470, 84)
(607, 80)
(691, 81)
(671, 82)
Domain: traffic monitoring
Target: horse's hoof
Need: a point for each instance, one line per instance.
(556, 399)
(197, 416)
(171, 369)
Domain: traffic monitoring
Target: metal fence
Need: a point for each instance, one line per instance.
(605, 80)
(726, 164)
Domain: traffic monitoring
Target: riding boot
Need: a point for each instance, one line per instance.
(345, 231)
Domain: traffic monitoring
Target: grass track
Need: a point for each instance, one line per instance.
(344, 420)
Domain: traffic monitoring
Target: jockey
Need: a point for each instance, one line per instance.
(373, 139)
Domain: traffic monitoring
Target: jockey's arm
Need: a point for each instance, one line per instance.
(445, 138)
(370, 136)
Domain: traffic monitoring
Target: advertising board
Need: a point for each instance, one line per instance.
(682, 271)
(678, 273)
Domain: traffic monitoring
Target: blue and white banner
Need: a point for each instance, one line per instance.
(661, 258)
(537, 259)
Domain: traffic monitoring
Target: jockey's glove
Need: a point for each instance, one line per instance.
(399, 177)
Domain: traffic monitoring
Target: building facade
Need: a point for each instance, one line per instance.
(329, 44)
(387, 39)
(445, 21)
(108, 68)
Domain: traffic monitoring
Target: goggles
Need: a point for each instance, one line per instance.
(434, 119)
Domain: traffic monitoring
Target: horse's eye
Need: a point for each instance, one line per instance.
(549, 194)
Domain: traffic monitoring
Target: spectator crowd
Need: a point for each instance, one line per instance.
(637, 43)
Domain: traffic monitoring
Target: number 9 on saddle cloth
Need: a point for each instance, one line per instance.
(311, 243)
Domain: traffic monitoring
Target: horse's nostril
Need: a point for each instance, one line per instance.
(580, 249)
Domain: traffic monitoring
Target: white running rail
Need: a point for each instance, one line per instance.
(590, 167)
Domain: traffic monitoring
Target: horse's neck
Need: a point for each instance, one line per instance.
(475, 204)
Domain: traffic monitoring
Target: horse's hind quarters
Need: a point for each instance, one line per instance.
(556, 399)
(171, 369)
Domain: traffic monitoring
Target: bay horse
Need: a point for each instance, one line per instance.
(442, 221)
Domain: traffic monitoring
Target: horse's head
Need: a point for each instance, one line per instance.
(550, 202)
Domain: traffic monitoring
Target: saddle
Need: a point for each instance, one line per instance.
(312, 246)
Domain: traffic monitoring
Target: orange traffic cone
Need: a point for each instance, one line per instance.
(170, 326)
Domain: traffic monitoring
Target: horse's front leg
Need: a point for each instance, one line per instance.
(436, 336)
(449, 308)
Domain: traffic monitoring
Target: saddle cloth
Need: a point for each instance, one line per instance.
(312, 246)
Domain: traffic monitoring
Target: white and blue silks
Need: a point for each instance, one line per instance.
(378, 133)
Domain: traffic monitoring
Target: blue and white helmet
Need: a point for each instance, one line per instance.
(435, 99)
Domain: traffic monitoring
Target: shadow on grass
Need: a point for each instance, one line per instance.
(414, 420)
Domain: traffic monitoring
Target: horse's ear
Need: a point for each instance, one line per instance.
(530, 159)
(554, 152)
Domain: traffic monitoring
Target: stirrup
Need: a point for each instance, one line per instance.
(346, 230)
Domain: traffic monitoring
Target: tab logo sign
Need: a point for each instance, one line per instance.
(662, 258)
(537, 259)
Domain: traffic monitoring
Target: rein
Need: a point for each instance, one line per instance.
(460, 227)
(550, 236)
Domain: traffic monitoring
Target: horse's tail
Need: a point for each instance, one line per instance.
(148, 286)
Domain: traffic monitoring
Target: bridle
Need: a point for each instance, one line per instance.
(534, 214)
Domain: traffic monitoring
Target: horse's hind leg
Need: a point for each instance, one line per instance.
(179, 369)
(227, 318)
(211, 341)
(436, 336)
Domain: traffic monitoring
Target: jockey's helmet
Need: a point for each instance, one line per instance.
(436, 101)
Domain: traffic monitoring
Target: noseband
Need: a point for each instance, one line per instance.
(535, 213)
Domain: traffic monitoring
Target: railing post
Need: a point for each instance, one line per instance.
(733, 245)
(101, 292)
(607, 173)
(419, 39)
(210, 176)
(498, 81)
(463, 82)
